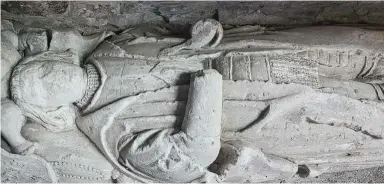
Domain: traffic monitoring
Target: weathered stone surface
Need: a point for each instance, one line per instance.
(293, 13)
(94, 13)
(94, 16)
(49, 22)
(242, 162)
(173, 12)
(141, 12)
(25, 169)
(9, 57)
(33, 42)
(35, 8)
(7, 25)
(75, 159)
(178, 15)
(353, 12)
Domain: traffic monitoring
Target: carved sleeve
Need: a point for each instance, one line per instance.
(182, 156)
(379, 88)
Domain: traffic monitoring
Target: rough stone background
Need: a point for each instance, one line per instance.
(90, 17)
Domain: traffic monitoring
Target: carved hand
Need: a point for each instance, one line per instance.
(352, 89)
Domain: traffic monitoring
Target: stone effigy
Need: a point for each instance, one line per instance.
(245, 104)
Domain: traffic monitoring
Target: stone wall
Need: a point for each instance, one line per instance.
(91, 16)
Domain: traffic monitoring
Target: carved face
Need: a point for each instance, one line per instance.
(51, 83)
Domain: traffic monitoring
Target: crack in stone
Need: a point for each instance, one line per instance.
(355, 128)
(158, 12)
(159, 78)
(154, 67)
(262, 115)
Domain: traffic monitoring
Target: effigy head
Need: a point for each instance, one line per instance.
(49, 83)
(44, 86)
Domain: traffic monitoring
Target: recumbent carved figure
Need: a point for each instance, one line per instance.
(308, 97)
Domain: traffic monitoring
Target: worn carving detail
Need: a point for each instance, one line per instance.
(77, 171)
(93, 82)
(277, 69)
(287, 69)
(241, 162)
(25, 169)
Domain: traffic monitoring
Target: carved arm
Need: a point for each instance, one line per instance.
(165, 154)
(183, 156)
(353, 89)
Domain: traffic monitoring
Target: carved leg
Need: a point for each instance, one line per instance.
(11, 122)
